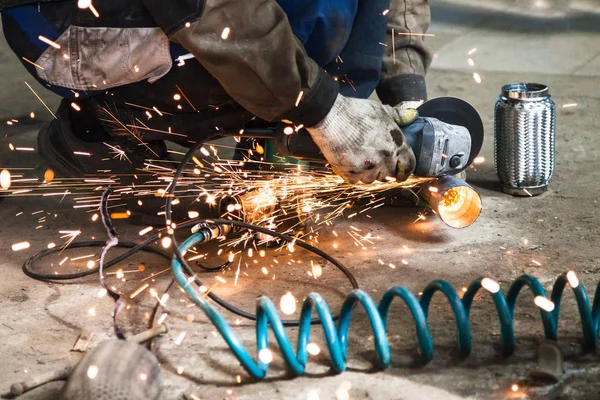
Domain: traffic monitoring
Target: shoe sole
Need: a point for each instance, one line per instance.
(53, 160)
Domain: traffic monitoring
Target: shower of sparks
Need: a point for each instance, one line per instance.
(285, 197)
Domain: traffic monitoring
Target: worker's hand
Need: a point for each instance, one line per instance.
(362, 141)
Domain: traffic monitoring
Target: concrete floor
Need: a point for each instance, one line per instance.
(559, 231)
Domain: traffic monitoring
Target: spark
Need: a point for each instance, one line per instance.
(317, 270)
(49, 42)
(470, 62)
(32, 63)
(75, 106)
(5, 179)
(40, 99)
(572, 278)
(176, 97)
(536, 262)
(24, 149)
(544, 303)
(21, 246)
(82, 257)
(162, 319)
(415, 34)
(313, 394)
(120, 215)
(490, 285)
(313, 349)
(51, 245)
(139, 290)
(225, 33)
(92, 312)
(48, 176)
(342, 392)
(143, 376)
(385, 12)
(479, 160)
(288, 303)
(220, 279)
(102, 292)
(92, 372)
(180, 338)
(300, 95)
(476, 77)
(265, 356)
(145, 230)
(82, 153)
(166, 242)
(91, 264)
(472, 51)
(569, 105)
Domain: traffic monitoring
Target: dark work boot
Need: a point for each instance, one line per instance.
(76, 146)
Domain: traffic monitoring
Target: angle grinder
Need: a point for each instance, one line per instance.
(446, 138)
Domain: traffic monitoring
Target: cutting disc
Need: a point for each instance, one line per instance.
(454, 111)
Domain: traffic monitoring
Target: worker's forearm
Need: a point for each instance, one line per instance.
(407, 57)
(260, 63)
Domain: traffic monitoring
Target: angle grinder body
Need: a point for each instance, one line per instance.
(446, 138)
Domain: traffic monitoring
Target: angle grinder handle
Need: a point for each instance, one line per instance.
(301, 146)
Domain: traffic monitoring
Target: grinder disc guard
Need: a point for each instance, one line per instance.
(454, 111)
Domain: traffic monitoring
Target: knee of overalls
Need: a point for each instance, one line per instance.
(343, 36)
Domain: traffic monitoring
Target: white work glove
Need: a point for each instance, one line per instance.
(362, 141)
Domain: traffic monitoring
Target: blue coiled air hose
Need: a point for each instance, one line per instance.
(337, 337)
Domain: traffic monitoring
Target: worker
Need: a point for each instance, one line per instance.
(133, 74)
